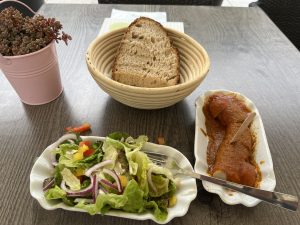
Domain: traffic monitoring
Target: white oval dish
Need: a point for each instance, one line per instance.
(262, 153)
(43, 169)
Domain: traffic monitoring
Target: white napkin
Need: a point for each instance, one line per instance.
(120, 18)
(131, 15)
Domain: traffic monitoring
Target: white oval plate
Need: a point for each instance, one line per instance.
(43, 169)
(262, 153)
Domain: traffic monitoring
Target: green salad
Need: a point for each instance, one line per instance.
(110, 174)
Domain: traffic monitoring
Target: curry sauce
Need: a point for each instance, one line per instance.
(224, 114)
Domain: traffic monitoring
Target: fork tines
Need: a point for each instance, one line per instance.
(156, 157)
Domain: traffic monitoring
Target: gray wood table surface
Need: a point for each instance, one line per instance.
(248, 54)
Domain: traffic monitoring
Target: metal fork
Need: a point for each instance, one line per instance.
(286, 201)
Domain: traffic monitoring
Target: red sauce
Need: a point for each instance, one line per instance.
(224, 115)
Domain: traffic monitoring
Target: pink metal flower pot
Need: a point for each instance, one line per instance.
(35, 76)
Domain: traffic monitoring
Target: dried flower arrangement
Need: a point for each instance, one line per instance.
(21, 35)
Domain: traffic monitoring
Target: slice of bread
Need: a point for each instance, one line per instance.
(146, 57)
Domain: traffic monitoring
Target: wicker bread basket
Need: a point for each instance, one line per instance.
(194, 65)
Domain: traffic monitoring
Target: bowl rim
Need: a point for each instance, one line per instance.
(135, 89)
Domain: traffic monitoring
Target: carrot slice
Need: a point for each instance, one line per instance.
(79, 129)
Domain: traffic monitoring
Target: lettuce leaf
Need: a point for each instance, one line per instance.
(118, 136)
(130, 146)
(110, 153)
(55, 193)
(142, 161)
(159, 213)
(133, 147)
(90, 208)
(161, 170)
(161, 184)
(57, 174)
(130, 201)
(71, 180)
(84, 163)
(58, 193)
(172, 188)
(68, 201)
(105, 202)
(64, 148)
(134, 194)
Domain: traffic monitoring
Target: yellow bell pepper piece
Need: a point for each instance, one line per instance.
(79, 172)
(123, 180)
(172, 201)
(78, 156)
(83, 148)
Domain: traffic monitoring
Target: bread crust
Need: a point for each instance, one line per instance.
(129, 29)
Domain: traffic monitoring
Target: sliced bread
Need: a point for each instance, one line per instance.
(146, 57)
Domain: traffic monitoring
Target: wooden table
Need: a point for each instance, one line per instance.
(249, 55)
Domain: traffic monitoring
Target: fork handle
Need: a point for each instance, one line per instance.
(289, 202)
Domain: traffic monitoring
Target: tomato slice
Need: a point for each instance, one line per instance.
(89, 152)
(87, 143)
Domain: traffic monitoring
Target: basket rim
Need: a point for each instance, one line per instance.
(134, 89)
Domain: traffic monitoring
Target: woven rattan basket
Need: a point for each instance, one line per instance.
(194, 65)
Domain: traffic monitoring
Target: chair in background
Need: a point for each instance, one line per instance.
(285, 14)
(164, 2)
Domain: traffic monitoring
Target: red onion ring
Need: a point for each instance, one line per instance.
(49, 184)
(109, 184)
(103, 189)
(97, 166)
(116, 178)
